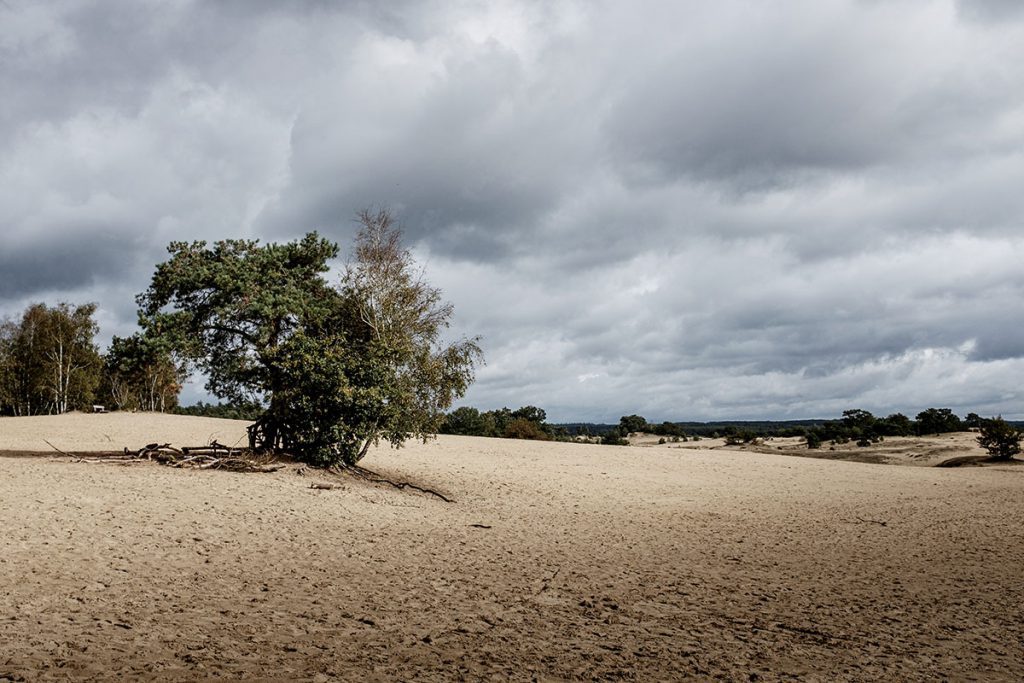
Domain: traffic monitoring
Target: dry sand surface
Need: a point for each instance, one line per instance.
(917, 451)
(554, 562)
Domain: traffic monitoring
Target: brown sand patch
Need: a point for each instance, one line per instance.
(556, 561)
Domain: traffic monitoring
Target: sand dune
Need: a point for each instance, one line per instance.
(555, 562)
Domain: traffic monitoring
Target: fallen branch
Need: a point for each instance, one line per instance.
(70, 455)
(872, 521)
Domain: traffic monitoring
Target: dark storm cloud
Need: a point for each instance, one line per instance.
(68, 263)
(683, 209)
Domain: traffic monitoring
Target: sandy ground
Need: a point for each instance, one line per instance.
(927, 451)
(87, 432)
(555, 562)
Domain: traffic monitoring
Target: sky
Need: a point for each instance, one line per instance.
(688, 210)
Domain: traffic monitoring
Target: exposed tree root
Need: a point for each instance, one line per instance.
(368, 475)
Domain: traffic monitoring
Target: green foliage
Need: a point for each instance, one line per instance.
(813, 439)
(860, 420)
(896, 424)
(999, 438)
(141, 373)
(615, 437)
(527, 422)
(630, 424)
(466, 421)
(226, 309)
(48, 360)
(530, 414)
(228, 411)
(938, 421)
(521, 428)
(973, 421)
(740, 436)
(339, 368)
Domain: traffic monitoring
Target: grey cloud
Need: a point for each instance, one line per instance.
(69, 262)
(990, 10)
(698, 210)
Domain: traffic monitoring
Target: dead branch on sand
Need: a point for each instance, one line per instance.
(861, 520)
(70, 455)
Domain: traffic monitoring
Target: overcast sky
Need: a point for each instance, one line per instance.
(687, 210)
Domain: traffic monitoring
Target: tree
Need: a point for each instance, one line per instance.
(72, 360)
(48, 361)
(973, 421)
(629, 424)
(1000, 438)
(530, 414)
(338, 367)
(896, 424)
(141, 373)
(521, 428)
(859, 422)
(937, 421)
(466, 421)
(614, 437)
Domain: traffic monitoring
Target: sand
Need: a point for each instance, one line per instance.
(914, 451)
(554, 562)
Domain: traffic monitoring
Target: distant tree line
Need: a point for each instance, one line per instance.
(856, 425)
(50, 364)
(242, 410)
(528, 422)
(862, 427)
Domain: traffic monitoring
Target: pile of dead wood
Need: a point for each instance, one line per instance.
(215, 456)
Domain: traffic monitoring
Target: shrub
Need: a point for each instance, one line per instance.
(521, 428)
(613, 438)
(999, 438)
(813, 440)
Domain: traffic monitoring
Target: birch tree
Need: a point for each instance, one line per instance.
(49, 360)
